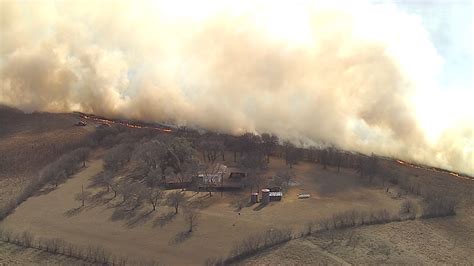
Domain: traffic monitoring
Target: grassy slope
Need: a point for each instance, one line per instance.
(50, 215)
(28, 142)
(25, 139)
(433, 241)
(14, 255)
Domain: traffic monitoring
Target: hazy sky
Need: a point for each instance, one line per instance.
(450, 28)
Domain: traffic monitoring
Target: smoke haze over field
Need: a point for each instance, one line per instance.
(359, 76)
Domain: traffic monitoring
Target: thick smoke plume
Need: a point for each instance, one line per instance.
(358, 76)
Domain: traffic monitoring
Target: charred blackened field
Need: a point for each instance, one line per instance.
(77, 188)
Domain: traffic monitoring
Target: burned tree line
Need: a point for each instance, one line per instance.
(213, 147)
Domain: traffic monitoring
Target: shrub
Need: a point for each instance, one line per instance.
(437, 205)
(258, 242)
(408, 210)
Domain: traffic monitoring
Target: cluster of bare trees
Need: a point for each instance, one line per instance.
(408, 210)
(116, 157)
(341, 220)
(437, 205)
(254, 244)
(436, 201)
(89, 254)
(151, 165)
(432, 207)
(331, 156)
(368, 166)
(282, 179)
(212, 145)
(253, 164)
(291, 153)
(354, 218)
(162, 158)
(133, 194)
(65, 166)
(53, 173)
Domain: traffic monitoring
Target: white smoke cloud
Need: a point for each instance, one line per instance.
(356, 75)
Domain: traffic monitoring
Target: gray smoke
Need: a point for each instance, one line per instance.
(354, 75)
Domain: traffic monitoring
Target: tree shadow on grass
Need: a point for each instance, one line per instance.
(260, 206)
(140, 219)
(121, 213)
(180, 237)
(132, 217)
(45, 190)
(250, 204)
(240, 203)
(73, 212)
(164, 219)
(98, 199)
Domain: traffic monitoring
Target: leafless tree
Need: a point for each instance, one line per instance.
(191, 216)
(82, 154)
(116, 157)
(211, 146)
(175, 199)
(138, 193)
(324, 158)
(152, 157)
(249, 143)
(253, 163)
(282, 179)
(338, 158)
(408, 207)
(83, 196)
(231, 143)
(123, 189)
(153, 196)
(253, 182)
(291, 153)
(269, 142)
(436, 204)
(57, 177)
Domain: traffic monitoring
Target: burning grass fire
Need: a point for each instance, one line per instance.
(434, 169)
(122, 123)
(138, 125)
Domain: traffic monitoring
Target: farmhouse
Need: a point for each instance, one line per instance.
(213, 175)
(221, 177)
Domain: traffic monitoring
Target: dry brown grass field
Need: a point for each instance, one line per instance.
(437, 241)
(11, 254)
(55, 213)
(28, 142)
(143, 235)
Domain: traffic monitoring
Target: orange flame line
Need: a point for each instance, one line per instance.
(109, 122)
(433, 170)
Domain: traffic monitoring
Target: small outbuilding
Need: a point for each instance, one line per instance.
(265, 195)
(275, 196)
(304, 196)
(254, 198)
(236, 174)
